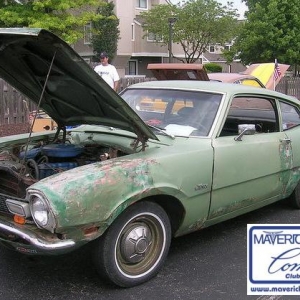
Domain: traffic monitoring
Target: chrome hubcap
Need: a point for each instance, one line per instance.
(135, 243)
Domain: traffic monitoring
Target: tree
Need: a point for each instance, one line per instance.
(213, 68)
(66, 18)
(198, 24)
(270, 32)
(106, 31)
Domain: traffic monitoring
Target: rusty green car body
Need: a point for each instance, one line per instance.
(162, 159)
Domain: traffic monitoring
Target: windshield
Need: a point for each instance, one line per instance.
(177, 112)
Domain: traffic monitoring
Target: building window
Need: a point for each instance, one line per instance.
(142, 4)
(152, 37)
(131, 68)
(227, 47)
(212, 49)
(132, 32)
(87, 34)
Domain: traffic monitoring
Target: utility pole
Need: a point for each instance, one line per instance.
(171, 23)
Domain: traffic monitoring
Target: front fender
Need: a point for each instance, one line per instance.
(97, 193)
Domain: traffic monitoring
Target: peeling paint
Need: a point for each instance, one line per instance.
(293, 179)
(90, 194)
(232, 207)
(289, 176)
(197, 225)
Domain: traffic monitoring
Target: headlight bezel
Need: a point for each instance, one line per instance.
(49, 224)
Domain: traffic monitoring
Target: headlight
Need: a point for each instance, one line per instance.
(39, 210)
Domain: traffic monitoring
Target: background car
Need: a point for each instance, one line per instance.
(179, 71)
(130, 178)
(258, 75)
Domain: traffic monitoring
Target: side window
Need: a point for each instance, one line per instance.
(251, 110)
(87, 34)
(151, 37)
(290, 115)
(142, 4)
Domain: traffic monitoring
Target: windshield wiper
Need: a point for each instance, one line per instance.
(161, 130)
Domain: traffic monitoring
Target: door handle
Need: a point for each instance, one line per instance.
(286, 140)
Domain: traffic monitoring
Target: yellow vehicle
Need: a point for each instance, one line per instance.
(41, 121)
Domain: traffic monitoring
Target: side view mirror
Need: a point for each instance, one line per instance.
(245, 129)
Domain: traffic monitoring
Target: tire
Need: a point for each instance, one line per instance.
(135, 246)
(294, 199)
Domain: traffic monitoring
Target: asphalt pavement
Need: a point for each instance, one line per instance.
(209, 265)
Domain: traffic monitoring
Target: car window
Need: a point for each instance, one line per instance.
(251, 110)
(178, 112)
(290, 115)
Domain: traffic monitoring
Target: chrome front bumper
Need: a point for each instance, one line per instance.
(27, 241)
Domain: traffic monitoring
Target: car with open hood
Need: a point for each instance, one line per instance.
(130, 176)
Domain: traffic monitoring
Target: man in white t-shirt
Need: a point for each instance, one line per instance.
(107, 71)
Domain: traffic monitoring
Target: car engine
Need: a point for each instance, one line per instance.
(23, 165)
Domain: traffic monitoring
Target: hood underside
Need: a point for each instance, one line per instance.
(48, 71)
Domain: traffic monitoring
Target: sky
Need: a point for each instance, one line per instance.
(238, 4)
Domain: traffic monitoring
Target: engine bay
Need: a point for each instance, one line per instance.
(24, 164)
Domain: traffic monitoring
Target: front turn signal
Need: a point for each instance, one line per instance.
(19, 219)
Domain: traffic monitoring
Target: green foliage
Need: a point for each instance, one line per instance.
(213, 67)
(106, 32)
(198, 24)
(66, 18)
(270, 31)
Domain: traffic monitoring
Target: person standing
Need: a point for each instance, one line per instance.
(107, 71)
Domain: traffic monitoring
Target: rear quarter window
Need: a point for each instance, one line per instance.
(290, 115)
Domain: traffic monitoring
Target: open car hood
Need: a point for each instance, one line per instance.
(265, 73)
(47, 70)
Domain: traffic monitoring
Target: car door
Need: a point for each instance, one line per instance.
(250, 169)
(290, 115)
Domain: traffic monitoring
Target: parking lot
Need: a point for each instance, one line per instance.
(210, 264)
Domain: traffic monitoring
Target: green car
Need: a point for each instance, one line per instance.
(129, 172)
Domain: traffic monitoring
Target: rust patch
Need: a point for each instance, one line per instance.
(289, 176)
(97, 192)
(293, 179)
(196, 225)
(232, 207)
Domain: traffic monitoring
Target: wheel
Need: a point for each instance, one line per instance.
(135, 246)
(294, 199)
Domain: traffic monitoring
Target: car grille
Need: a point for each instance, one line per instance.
(12, 183)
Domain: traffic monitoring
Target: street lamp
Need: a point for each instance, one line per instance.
(171, 23)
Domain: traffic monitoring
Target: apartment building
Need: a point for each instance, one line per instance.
(135, 52)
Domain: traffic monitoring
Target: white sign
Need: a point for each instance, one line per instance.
(273, 259)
